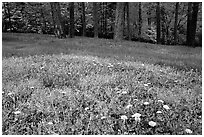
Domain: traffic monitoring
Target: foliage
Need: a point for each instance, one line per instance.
(35, 17)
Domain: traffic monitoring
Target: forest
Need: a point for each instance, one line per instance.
(166, 23)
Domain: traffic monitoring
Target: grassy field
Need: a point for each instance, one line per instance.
(96, 86)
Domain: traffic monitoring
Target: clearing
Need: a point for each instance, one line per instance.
(98, 86)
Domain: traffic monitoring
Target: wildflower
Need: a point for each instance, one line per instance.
(124, 92)
(152, 123)
(86, 108)
(137, 117)
(142, 64)
(123, 117)
(161, 101)
(199, 116)
(128, 106)
(63, 92)
(158, 112)
(146, 85)
(17, 112)
(146, 103)
(189, 131)
(50, 123)
(166, 107)
(11, 93)
(32, 87)
(103, 117)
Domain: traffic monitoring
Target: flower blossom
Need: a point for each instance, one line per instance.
(152, 123)
(128, 106)
(146, 103)
(137, 117)
(161, 101)
(158, 112)
(166, 107)
(189, 131)
(123, 117)
(17, 112)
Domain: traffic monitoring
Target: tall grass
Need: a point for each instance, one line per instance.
(69, 94)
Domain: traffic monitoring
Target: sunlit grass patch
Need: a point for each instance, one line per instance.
(70, 94)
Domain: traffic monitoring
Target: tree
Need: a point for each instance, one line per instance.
(140, 20)
(158, 23)
(128, 21)
(71, 17)
(56, 14)
(95, 16)
(175, 22)
(192, 22)
(119, 19)
(83, 19)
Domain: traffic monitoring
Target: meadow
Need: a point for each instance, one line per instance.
(88, 86)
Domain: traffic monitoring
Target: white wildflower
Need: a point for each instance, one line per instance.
(123, 117)
(152, 123)
(128, 106)
(50, 123)
(146, 85)
(103, 117)
(189, 131)
(17, 112)
(86, 108)
(158, 112)
(142, 64)
(161, 101)
(124, 92)
(32, 87)
(11, 93)
(137, 117)
(146, 103)
(166, 107)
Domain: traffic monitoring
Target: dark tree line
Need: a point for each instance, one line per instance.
(167, 23)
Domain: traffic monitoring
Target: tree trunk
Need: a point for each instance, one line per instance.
(56, 14)
(158, 23)
(105, 19)
(194, 22)
(189, 19)
(71, 17)
(128, 21)
(175, 23)
(83, 19)
(95, 16)
(119, 19)
(140, 21)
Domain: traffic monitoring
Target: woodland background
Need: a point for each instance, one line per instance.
(166, 23)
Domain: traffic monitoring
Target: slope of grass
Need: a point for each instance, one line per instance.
(77, 94)
(180, 57)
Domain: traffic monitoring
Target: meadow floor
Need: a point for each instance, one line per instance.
(98, 86)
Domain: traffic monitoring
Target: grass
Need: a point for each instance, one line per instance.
(68, 94)
(180, 57)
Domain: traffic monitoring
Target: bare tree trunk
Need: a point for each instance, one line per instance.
(128, 21)
(194, 22)
(158, 23)
(175, 23)
(56, 14)
(83, 19)
(140, 20)
(119, 19)
(189, 19)
(71, 15)
(95, 16)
